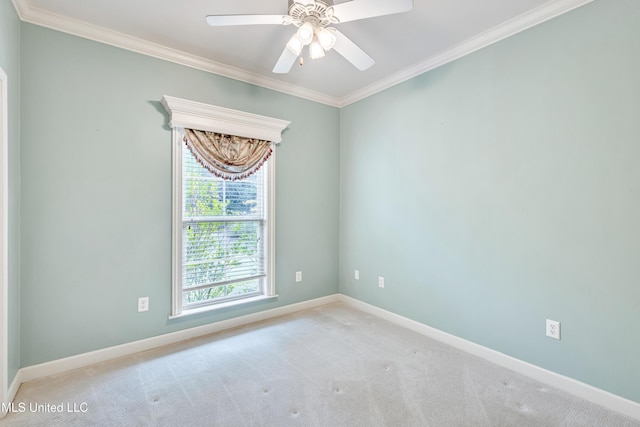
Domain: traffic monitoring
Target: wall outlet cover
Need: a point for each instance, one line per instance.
(143, 304)
(553, 329)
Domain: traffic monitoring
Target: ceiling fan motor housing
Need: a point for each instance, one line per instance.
(319, 13)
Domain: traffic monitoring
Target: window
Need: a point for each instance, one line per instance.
(224, 243)
(223, 230)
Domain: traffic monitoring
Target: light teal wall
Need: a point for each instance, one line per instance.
(10, 63)
(504, 189)
(492, 193)
(96, 193)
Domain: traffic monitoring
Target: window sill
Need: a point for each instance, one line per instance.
(215, 307)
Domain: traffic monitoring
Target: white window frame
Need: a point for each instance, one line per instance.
(194, 115)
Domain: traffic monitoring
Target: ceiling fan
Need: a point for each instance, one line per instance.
(313, 20)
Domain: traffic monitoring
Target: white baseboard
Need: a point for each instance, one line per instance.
(577, 388)
(46, 369)
(10, 394)
(585, 391)
(15, 385)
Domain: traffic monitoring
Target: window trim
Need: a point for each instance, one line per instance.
(195, 115)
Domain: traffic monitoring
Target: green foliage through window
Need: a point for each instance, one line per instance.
(223, 234)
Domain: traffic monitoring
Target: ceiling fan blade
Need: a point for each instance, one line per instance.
(351, 52)
(362, 9)
(285, 62)
(225, 20)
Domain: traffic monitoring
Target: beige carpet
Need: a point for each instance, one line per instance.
(330, 366)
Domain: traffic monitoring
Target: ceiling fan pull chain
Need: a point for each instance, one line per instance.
(301, 61)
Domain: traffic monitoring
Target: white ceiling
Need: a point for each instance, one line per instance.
(403, 45)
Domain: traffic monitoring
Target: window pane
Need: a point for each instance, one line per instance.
(222, 233)
(241, 197)
(202, 197)
(221, 251)
(207, 195)
(246, 288)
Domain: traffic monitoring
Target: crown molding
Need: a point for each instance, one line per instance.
(19, 6)
(43, 18)
(543, 13)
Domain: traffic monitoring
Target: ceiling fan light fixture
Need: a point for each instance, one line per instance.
(295, 45)
(315, 49)
(326, 38)
(305, 33)
(312, 19)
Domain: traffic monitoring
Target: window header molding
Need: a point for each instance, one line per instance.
(196, 115)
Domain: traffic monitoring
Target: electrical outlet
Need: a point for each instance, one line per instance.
(356, 274)
(143, 304)
(298, 276)
(380, 282)
(553, 329)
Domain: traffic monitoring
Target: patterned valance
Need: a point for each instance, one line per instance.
(229, 157)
